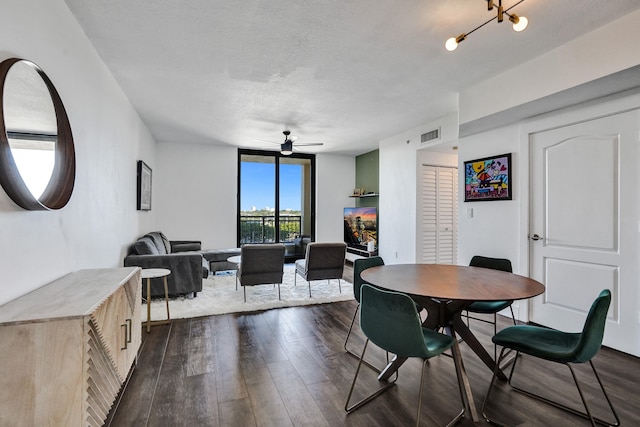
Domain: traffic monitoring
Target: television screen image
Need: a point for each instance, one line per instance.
(360, 226)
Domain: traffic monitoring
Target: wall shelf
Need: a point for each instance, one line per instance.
(365, 195)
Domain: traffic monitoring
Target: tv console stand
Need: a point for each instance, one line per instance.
(361, 252)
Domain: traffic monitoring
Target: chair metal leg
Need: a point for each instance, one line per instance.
(586, 414)
(244, 289)
(309, 288)
(339, 286)
(351, 353)
(278, 291)
(491, 384)
(372, 396)
(455, 419)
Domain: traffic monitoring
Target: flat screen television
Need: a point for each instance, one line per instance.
(360, 227)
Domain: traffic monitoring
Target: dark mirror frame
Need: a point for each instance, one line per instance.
(60, 187)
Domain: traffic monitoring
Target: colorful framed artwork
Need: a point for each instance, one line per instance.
(144, 187)
(488, 179)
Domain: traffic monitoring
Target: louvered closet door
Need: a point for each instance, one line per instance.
(439, 215)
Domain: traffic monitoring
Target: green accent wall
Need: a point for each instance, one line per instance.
(367, 177)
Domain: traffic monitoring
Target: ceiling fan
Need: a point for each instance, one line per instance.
(286, 147)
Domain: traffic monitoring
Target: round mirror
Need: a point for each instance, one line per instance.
(37, 157)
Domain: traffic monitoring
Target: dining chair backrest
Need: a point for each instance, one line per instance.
(360, 265)
(390, 320)
(502, 264)
(593, 330)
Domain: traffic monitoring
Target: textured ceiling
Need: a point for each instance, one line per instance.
(344, 72)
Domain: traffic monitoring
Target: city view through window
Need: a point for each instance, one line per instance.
(262, 219)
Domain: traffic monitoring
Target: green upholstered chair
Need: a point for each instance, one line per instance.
(490, 307)
(560, 347)
(360, 265)
(390, 320)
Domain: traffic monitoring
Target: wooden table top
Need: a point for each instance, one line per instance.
(453, 282)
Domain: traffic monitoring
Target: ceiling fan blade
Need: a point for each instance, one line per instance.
(308, 144)
(264, 141)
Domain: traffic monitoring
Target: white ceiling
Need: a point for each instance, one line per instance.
(344, 72)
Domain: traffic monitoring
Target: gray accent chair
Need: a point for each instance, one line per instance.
(261, 264)
(322, 261)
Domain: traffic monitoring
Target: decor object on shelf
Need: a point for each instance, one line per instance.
(144, 187)
(68, 347)
(33, 121)
(488, 178)
(519, 23)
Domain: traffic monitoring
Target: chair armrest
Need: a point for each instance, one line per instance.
(185, 245)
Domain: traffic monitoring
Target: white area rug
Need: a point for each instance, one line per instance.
(219, 296)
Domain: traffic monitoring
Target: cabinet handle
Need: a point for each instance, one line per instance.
(125, 336)
(129, 329)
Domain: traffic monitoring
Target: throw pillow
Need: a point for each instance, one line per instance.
(167, 243)
(145, 246)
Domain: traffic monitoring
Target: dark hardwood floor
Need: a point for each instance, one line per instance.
(287, 367)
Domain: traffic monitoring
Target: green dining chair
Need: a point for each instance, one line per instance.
(390, 320)
(490, 307)
(560, 347)
(360, 265)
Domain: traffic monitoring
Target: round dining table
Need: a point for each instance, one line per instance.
(445, 291)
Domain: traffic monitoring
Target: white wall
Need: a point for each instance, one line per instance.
(604, 51)
(196, 193)
(398, 188)
(93, 230)
(494, 230)
(335, 181)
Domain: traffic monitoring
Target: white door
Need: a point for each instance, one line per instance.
(438, 227)
(585, 192)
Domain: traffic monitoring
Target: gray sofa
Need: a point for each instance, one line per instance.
(188, 263)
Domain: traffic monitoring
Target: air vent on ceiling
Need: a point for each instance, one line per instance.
(430, 136)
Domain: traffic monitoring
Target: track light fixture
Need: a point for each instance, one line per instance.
(519, 23)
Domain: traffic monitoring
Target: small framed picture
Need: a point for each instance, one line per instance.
(144, 187)
(488, 179)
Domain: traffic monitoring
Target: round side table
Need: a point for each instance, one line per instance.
(153, 273)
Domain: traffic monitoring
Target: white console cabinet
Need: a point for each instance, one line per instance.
(67, 348)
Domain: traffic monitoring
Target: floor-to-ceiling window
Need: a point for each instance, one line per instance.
(276, 199)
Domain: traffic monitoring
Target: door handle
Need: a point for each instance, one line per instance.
(534, 237)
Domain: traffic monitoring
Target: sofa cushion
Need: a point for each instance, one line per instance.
(184, 247)
(145, 246)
